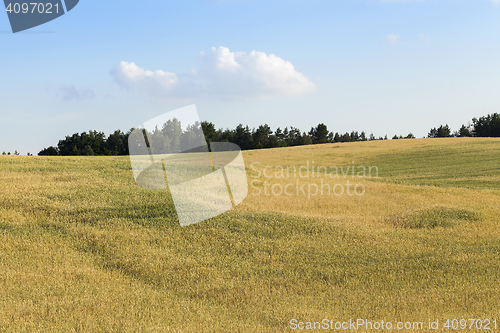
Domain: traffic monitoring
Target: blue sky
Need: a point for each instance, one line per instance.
(387, 67)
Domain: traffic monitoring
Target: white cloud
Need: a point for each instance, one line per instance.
(222, 73)
(393, 39)
(129, 75)
(68, 92)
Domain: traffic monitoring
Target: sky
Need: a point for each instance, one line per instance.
(380, 66)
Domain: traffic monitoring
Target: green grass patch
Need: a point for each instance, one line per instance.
(443, 162)
(434, 217)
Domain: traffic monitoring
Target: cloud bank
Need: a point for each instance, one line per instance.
(221, 73)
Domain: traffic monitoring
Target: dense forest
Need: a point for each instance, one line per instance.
(171, 136)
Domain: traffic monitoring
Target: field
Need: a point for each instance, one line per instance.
(83, 249)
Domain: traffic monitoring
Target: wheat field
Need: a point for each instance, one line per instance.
(83, 249)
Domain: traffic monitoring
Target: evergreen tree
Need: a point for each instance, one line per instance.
(211, 134)
(88, 151)
(243, 137)
(173, 130)
(440, 132)
(464, 132)
(50, 151)
(261, 136)
(487, 126)
(319, 134)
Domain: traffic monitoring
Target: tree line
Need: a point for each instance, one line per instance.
(171, 137)
(486, 126)
(92, 143)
